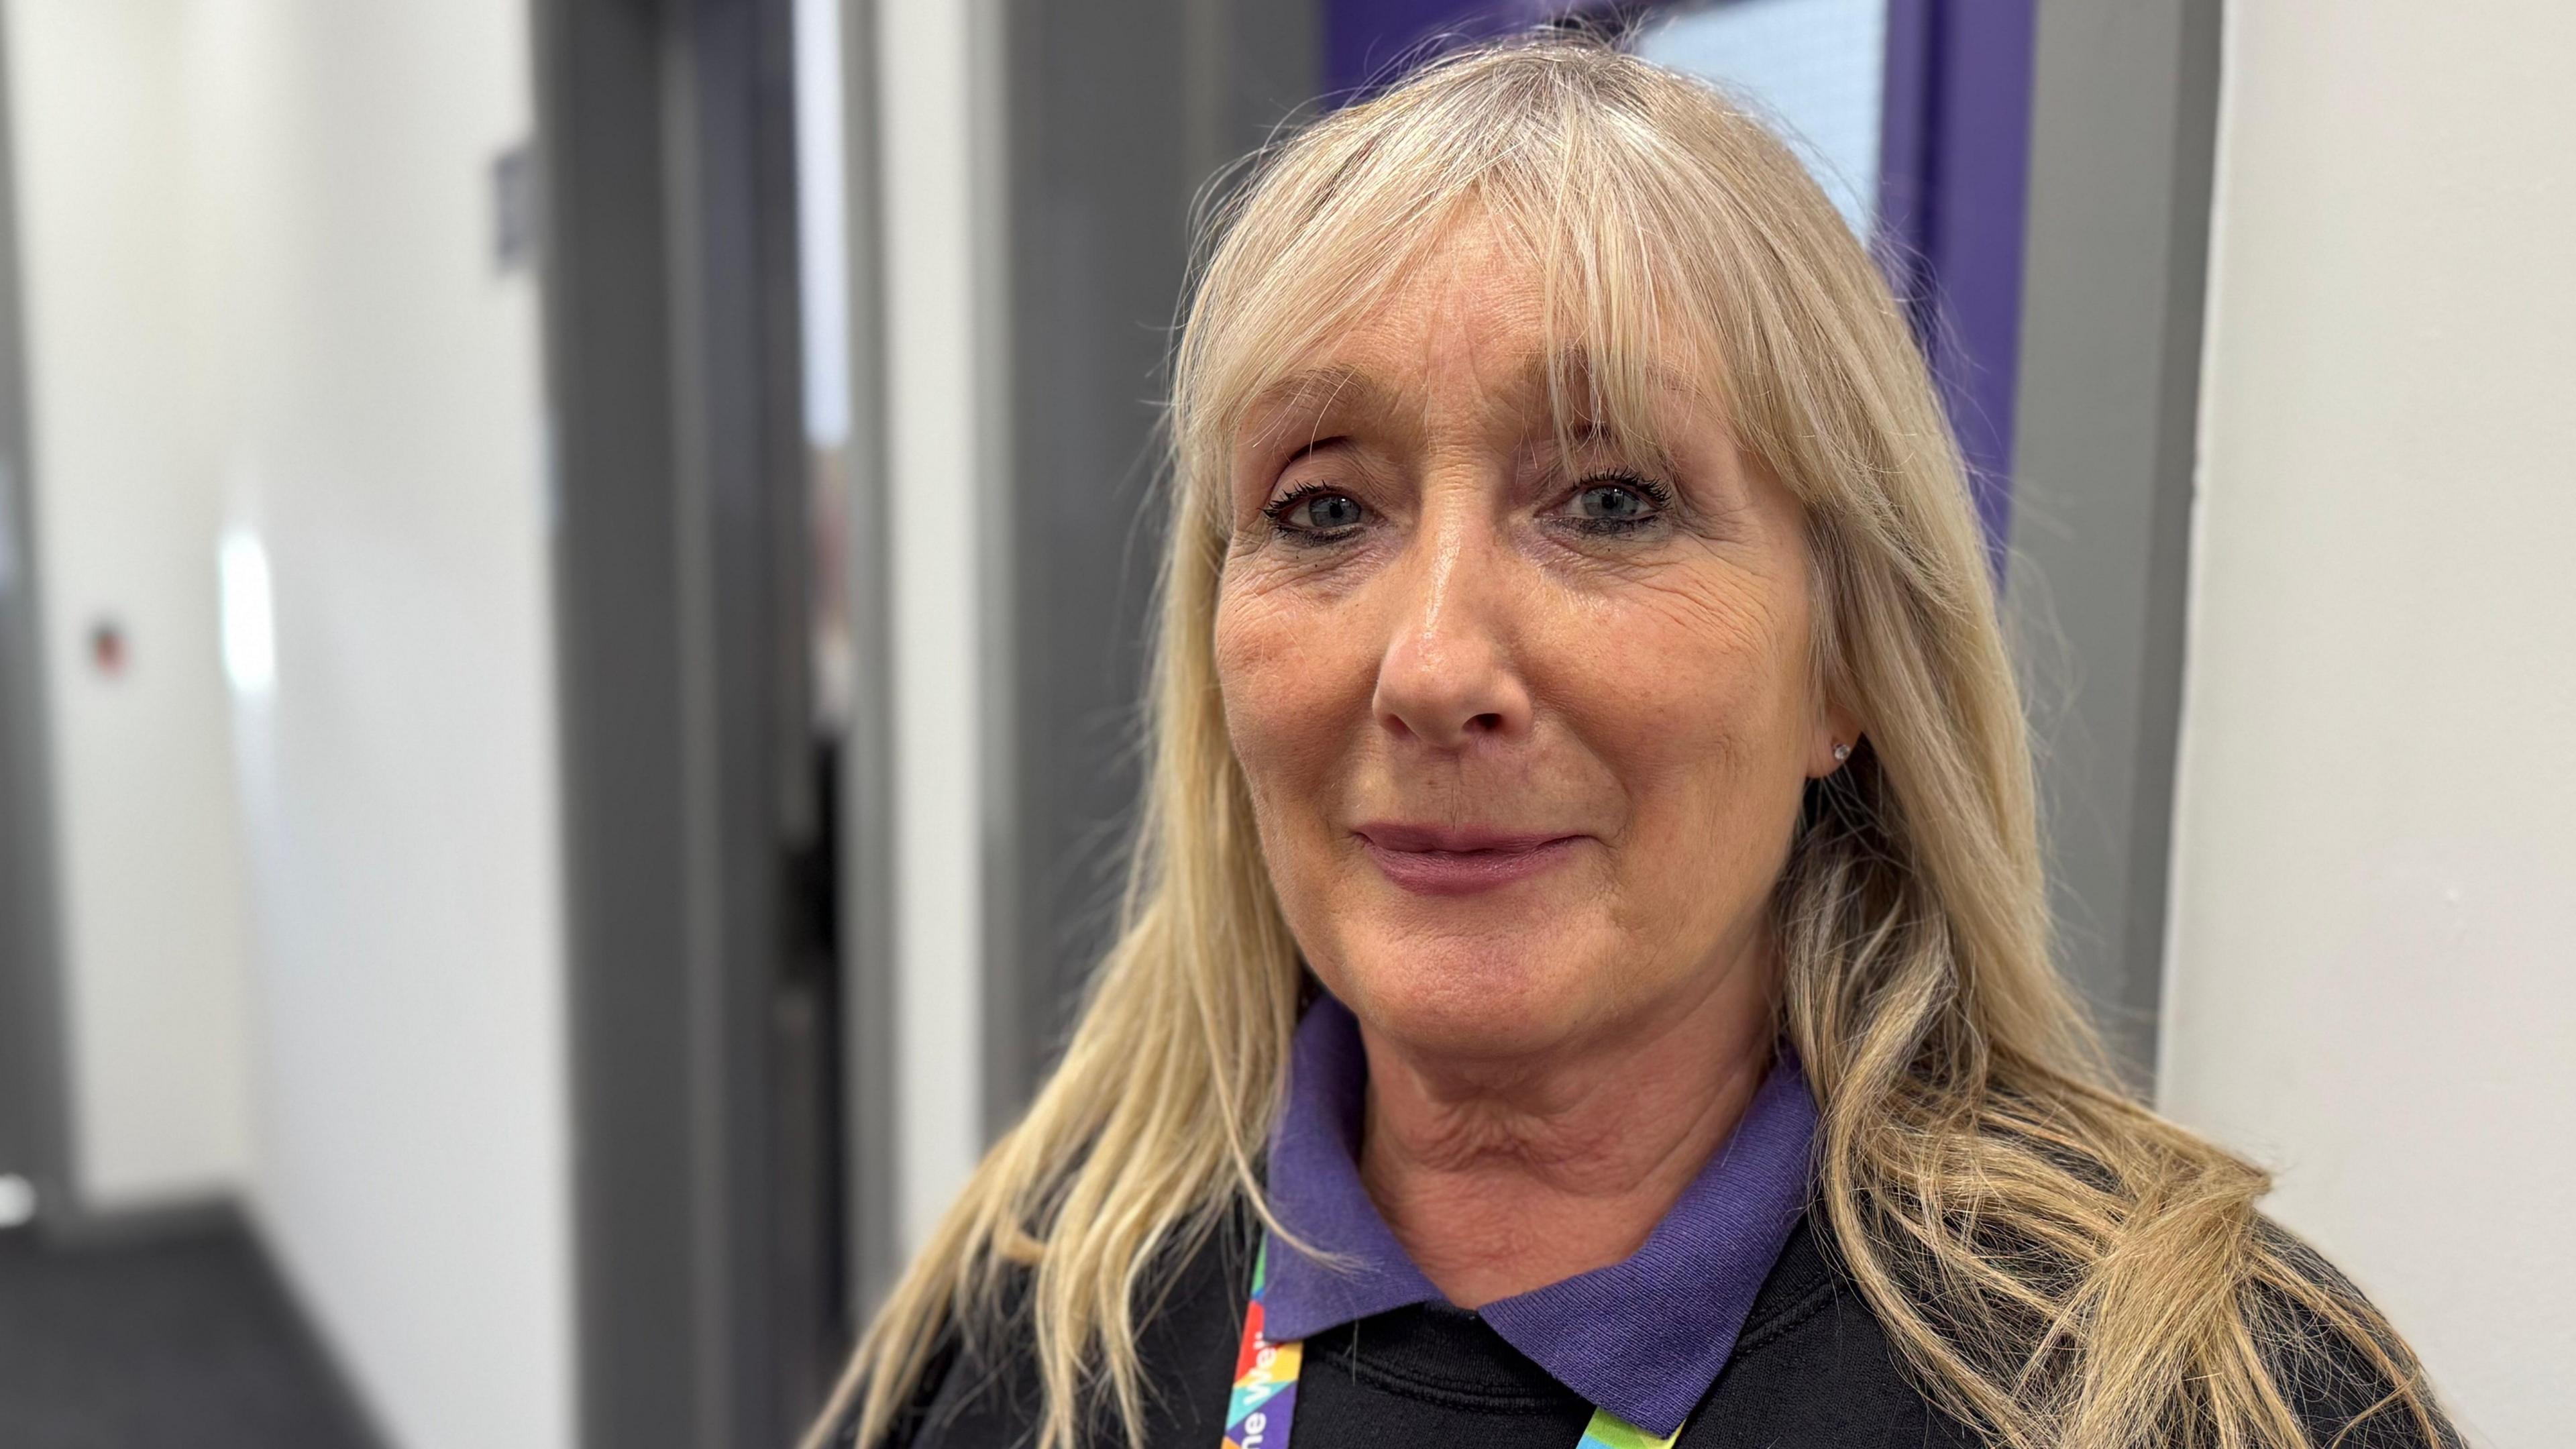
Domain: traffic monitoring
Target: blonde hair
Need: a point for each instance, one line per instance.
(2055, 1264)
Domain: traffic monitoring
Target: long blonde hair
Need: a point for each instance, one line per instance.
(2055, 1264)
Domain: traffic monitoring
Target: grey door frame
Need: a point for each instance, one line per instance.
(1119, 114)
(2123, 136)
(679, 477)
(866, 814)
(35, 1099)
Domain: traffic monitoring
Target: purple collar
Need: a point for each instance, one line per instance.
(1643, 1338)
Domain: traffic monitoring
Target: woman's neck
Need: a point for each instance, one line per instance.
(1500, 1177)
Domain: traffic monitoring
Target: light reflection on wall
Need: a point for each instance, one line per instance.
(249, 613)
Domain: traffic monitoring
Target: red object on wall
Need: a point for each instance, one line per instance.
(107, 647)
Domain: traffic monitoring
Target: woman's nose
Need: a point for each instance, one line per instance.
(1449, 675)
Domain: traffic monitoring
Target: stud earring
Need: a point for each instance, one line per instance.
(1842, 752)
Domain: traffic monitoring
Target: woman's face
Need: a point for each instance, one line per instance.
(1525, 740)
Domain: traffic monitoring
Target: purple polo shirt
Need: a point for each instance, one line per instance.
(1643, 1338)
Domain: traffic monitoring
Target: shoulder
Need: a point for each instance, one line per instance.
(2335, 1359)
(985, 1386)
(1812, 1366)
(907, 1427)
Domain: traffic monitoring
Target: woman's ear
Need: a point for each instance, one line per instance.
(1837, 734)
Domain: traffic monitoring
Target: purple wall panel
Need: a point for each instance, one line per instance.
(1367, 43)
(1953, 194)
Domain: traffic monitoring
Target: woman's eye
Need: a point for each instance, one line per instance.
(1613, 505)
(1331, 511)
(1611, 501)
(1316, 511)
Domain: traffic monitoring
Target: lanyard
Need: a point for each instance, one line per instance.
(1264, 1405)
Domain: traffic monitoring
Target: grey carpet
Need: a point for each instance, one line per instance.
(179, 1343)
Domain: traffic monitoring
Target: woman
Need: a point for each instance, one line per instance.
(1586, 973)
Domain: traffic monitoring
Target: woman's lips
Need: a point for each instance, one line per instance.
(1434, 861)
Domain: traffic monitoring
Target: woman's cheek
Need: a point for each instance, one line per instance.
(1684, 711)
(1645, 674)
(1278, 703)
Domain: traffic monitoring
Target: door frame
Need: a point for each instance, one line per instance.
(678, 475)
(35, 1105)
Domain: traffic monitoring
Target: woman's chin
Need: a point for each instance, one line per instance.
(1463, 999)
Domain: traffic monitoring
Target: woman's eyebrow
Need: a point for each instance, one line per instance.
(1557, 394)
(1575, 369)
(1316, 392)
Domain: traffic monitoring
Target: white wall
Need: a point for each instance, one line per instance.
(938, 113)
(2374, 951)
(148, 834)
(384, 438)
(264, 299)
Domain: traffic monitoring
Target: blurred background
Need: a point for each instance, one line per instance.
(572, 577)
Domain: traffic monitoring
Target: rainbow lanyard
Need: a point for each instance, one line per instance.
(1264, 1406)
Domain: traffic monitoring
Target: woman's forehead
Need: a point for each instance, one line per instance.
(1522, 379)
(1483, 312)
